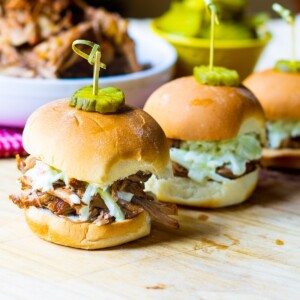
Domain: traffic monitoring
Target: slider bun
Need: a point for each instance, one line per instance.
(278, 92)
(281, 158)
(85, 235)
(189, 110)
(209, 194)
(94, 147)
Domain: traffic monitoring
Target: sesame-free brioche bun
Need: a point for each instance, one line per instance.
(96, 148)
(281, 158)
(85, 235)
(278, 93)
(209, 194)
(189, 110)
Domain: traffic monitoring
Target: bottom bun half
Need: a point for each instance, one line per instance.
(281, 158)
(209, 194)
(57, 230)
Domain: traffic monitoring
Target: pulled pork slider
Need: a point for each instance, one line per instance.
(215, 135)
(83, 183)
(279, 94)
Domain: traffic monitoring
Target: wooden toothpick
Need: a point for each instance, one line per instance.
(96, 73)
(286, 15)
(213, 20)
(94, 58)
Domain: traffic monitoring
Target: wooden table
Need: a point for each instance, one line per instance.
(251, 251)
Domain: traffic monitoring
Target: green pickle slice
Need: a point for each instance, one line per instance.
(216, 76)
(108, 100)
(287, 66)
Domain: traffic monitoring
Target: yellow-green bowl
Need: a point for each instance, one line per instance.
(240, 55)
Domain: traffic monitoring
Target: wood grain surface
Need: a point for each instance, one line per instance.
(250, 251)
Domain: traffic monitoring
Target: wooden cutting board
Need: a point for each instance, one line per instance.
(250, 251)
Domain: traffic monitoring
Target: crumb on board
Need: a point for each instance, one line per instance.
(197, 246)
(158, 286)
(203, 217)
(279, 242)
(234, 240)
(211, 243)
(206, 244)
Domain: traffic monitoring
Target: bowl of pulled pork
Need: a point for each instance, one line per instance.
(37, 64)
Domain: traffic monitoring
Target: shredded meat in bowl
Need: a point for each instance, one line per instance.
(36, 38)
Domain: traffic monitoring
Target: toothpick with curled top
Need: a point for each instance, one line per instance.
(91, 98)
(210, 74)
(214, 20)
(286, 65)
(94, 58)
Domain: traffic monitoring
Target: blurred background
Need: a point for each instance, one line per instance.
(162, 40)
(154, 8)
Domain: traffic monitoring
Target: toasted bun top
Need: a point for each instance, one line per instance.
(188, 110)
(94, 147)
(278, 92)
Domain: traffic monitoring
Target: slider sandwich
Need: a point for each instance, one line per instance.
(216, 128)
(83, 183)
(278, 91)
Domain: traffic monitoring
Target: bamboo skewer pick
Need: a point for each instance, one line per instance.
(286, 15)
(94, 58)
(211, 75)
(96, 73)
(213, 20)
(92, 98)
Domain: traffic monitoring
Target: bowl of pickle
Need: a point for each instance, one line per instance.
(239, 39)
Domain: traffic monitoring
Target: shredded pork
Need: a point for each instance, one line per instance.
(224, 171)
(60, 200)
(179, 170)
(291, 143)
(36, 38)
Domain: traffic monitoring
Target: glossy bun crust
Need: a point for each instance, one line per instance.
(278, 92)
(188, 110)
(94, 147)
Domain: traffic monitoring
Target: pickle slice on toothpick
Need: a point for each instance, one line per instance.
(107, 100)
(92, 98)
(287, 66)
(216, 76)
(211, 75)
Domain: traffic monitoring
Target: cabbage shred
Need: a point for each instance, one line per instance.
(202, 159)
(280, 130)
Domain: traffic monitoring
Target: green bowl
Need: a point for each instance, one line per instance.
(240, 55)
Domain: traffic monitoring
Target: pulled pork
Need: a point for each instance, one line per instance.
(181, 171)
(36, 38)
(60, 200)
(158, 211)
(174, 143)
(291, 143)
(227, 173)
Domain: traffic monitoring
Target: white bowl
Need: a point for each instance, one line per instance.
(19, 97)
